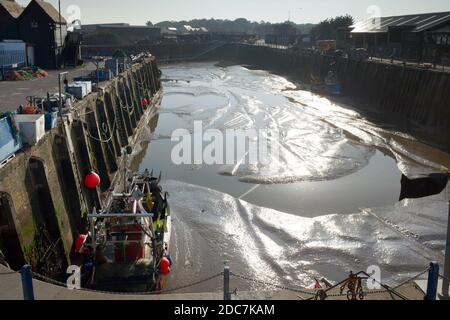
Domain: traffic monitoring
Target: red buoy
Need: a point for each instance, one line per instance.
(92, 180)
(165, 271)
(164, 266)
(144, 102)
(79, 243)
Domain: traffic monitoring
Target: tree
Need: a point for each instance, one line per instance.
(241, 25)
(149, 24)
(327, 29)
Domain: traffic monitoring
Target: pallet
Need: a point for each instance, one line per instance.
(4, 162)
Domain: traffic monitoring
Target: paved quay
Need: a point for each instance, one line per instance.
(14, 93)
(11, 289)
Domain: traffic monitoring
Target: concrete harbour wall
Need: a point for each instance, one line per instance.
(43, 201)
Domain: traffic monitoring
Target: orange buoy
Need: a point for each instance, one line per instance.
(29, 110)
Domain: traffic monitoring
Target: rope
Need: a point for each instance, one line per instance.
(412, 278)
(444, 277)
(303, 291)
(60, 284)
(113, 130)
(193, 283)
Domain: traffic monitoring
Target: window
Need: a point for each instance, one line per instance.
(34, 24)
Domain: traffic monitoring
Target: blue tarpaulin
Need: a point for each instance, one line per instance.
(9, 139)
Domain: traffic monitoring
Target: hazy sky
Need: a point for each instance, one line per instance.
(301, 11)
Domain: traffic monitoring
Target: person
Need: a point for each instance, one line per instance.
(66, 84)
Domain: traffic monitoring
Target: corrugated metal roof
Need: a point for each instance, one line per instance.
(12, 7)
(442, 30)
(418, 22)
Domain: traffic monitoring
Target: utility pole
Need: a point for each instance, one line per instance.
(60, 31)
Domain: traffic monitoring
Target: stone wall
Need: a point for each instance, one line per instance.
(43, 202)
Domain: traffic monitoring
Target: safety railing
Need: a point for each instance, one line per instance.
(350, 288)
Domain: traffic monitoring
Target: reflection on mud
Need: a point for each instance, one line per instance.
(211, 227)
(334, 163)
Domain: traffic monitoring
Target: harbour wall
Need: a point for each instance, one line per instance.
(43, 200)
(161, 51)
(417, 99)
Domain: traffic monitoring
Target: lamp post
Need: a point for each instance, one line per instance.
(61, 42)
(60, 20)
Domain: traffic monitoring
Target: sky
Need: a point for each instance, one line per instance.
(138, 12)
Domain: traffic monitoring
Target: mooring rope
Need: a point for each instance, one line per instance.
(266, 283)
(60, 284)
(444, 277)
(313, 293)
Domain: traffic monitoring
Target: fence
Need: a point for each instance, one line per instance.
(11, 59)
(350, 288)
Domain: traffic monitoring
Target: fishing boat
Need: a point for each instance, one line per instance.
(127, 248)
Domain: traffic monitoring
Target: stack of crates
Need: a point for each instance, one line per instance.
(79, 89)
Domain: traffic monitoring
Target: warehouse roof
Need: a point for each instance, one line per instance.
(418, 22)
(443, 30)
(12, 7)
(51, 11)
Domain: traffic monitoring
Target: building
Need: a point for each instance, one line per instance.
(91, 28)
(120, 34)
(283, 34)
(413, 37)
(41, 26)
(9, 12)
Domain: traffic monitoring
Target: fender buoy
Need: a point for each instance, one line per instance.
(144, 102)
(164, 266)
(79, 243)
(92, 180)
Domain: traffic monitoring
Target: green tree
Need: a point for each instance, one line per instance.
(327, 29)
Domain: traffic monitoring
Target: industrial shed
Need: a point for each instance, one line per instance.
(41, 25)
(9, 12)
(416, 36)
